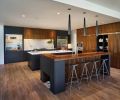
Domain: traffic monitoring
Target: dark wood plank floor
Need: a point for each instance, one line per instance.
(18, 82)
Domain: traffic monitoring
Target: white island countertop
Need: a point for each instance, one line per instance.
(54, 51)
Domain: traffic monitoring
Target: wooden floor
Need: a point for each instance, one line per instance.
(18, 82)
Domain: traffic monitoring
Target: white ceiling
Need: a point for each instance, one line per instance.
(42, 14)
(111, 4)
(92, 7)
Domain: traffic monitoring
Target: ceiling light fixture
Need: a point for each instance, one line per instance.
(97, 26)
(58, 13)
(69, 25)
(69, 22)
(84, 26)
(23, 15)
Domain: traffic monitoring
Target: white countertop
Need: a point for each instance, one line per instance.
(54, 51)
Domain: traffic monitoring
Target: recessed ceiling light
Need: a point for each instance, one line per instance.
(58, 13)
(23, 15)
(103, 22)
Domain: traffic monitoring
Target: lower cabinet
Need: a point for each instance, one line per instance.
(15, 56)
(34, 61)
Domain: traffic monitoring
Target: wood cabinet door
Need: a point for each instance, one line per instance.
(27, 33)
(114, 49)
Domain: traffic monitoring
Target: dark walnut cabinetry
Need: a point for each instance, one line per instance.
(106, 28)
(89, 42)
(34, 33)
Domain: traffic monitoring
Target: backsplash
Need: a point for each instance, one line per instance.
(31, 44)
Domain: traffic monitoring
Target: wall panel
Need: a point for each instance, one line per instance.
(1, 44)
(89, 43)
(114, 49)
(114, 40)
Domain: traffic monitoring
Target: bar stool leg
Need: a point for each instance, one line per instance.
(107, 69)
(87, 74)
(92, 71)
(103, 67)
(71, 82)
(82, 73)
(96, 70)
(74, 72)
(85, 70)
(77, 79)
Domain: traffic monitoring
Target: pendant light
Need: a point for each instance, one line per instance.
(84, 29)
(84, 26)
(69, 25)
(97, 28)
(69, 22)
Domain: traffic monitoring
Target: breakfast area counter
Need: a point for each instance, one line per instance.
(53, 67)
(58, 57)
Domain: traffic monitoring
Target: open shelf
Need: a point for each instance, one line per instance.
(102, 43)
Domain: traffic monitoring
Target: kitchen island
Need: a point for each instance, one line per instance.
(34, 57)
(53, 67)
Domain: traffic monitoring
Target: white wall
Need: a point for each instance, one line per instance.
(1, 44)
(74, 40)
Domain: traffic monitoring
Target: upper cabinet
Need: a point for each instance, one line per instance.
(28, 33)
(33, 33)
(106, 28)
